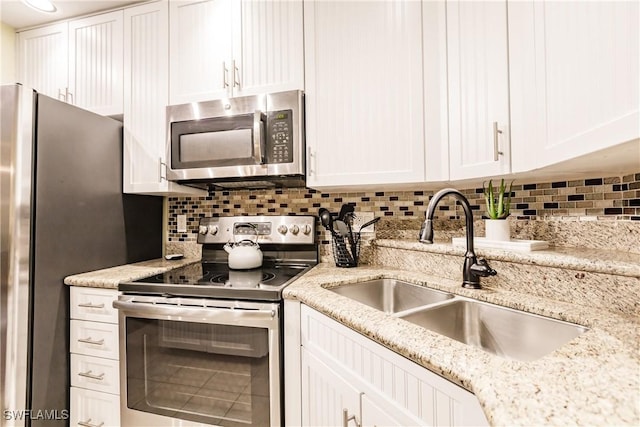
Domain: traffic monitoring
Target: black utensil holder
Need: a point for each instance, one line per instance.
(345, 253)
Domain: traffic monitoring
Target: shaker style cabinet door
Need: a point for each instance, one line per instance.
(268, 45)
(200, 50)
(478, 70)
(574, 78)
(95, 63)
(327, 398)
(364, 93)
(146, 88)
(228, 48)
(43, 60)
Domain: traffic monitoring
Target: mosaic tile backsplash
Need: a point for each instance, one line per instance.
(601, 199)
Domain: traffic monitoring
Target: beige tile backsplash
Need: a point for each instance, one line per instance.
(598, 212)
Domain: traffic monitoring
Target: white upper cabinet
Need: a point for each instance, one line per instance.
(478, 70)
(200, 50)
(95, 63)
(79, 61)
(574, 78)
(268, 46)
(146, 88)
(364, 91)
(43, 59)
(227, 48)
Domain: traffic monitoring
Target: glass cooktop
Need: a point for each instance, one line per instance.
(217, 280)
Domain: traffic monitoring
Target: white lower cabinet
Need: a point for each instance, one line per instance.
(95, 375)
(346, 379)
(91, 408)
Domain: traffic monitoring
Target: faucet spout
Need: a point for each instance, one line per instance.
(473, 267)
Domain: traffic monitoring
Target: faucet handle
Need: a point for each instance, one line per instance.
(481, 268)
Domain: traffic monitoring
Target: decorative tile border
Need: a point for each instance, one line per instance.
(609, 198)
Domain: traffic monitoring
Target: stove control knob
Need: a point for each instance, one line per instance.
(212, 229)
(306, 229)
(282, 229)
(203, 229)
(295, 229)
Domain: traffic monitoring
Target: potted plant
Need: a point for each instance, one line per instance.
(498, 204)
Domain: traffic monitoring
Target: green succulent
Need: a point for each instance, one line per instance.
(498, 202)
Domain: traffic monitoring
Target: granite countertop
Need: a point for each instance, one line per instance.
(111, 277)
(592, 380)
(592, 260)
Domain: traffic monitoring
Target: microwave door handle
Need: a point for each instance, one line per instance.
(258, 137)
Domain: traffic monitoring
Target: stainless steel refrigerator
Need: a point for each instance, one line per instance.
(62, 213)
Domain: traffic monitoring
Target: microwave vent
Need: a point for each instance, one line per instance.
(252, 185)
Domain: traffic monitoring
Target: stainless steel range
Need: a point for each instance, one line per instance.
(202, 344)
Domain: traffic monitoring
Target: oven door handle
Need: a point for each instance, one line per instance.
(239, 316)
(258, 137)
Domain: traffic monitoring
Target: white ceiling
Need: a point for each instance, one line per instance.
(18, 15)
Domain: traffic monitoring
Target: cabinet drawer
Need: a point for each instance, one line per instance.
(95, 373)
(93, 304)
(94, 339)
(92, 408)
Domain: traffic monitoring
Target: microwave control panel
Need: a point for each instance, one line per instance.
(280, 137)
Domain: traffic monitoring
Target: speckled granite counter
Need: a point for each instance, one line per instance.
(110, 277)
(592, 380)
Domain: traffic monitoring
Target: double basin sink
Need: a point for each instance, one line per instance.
(502, 331)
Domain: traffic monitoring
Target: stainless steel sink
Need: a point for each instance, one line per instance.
(390, 295)
(502, 331)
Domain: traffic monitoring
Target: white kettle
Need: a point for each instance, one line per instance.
(244, 255)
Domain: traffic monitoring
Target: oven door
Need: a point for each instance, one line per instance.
(190, 362)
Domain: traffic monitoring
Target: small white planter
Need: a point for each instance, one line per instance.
(497, 229)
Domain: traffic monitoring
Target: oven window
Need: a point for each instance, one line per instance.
(215, 374)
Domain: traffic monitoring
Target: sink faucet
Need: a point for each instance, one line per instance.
(473, 268)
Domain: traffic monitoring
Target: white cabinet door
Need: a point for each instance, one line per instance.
(95, 63)
(43, 59)
(374, 416)
(146, 89)
(92, 408)
(479, 129)
(93, 304)
(364, 90)
(574, 78)
(200, 50)
(94, 339)
(226, 48)
(327, 398)
(267, 46)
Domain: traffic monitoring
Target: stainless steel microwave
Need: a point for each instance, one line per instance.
(245, 142)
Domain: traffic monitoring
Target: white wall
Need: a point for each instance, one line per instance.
(7, 54)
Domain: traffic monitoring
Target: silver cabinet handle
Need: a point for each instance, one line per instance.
(235, 75)
(496, 151)
(91, 305)
(312, 159)
(69, 97)
(62, 96)
(162, 170)
(90, 341)
(88, 374)
(346, 418)
(225, 84)
(88, 423)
